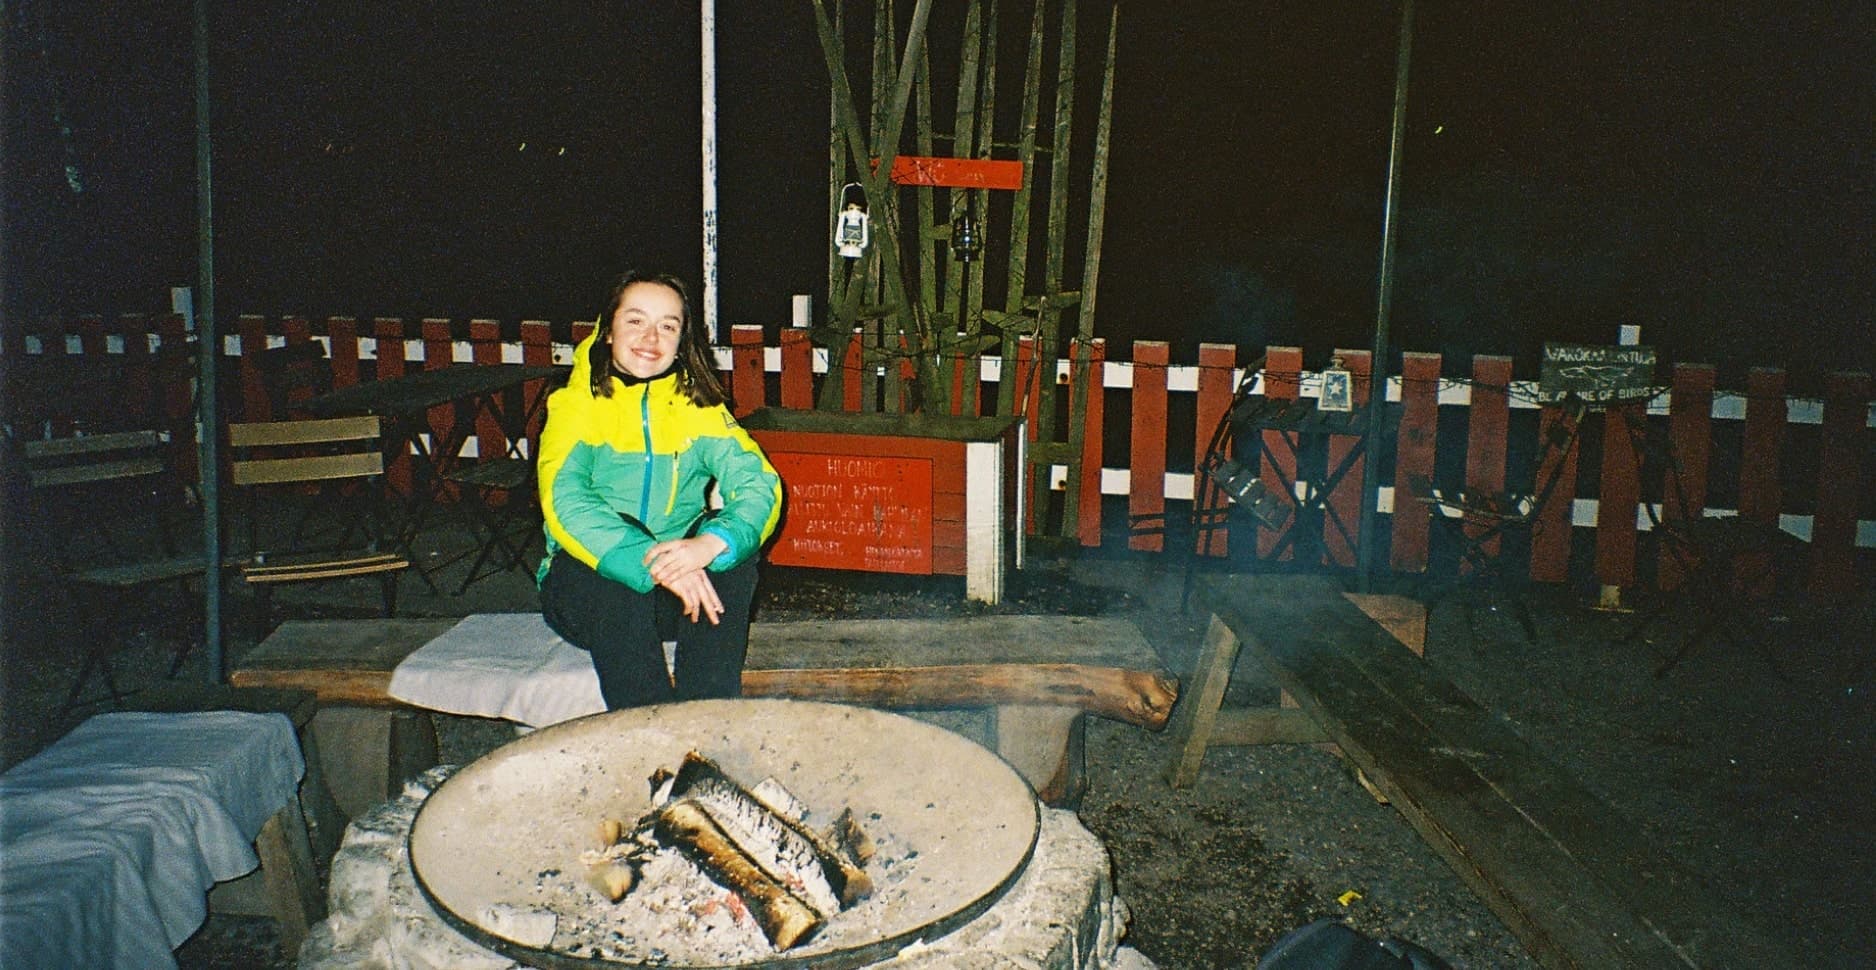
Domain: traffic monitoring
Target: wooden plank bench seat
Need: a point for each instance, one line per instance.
(1575, 881)
(1035, 676)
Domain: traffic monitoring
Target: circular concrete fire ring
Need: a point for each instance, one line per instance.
(505, 834)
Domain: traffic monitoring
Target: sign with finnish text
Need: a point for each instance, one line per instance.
(1597, 374)
(855, 512)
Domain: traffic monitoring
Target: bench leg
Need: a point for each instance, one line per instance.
(287, 870)
(367, 752)
(1196, 711)
(1046, 745)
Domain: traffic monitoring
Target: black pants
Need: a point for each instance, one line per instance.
(625, 630)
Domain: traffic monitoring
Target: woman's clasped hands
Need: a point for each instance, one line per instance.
(678, 565)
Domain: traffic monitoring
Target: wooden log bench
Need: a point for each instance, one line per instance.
(1034, 677)
(1574, 880)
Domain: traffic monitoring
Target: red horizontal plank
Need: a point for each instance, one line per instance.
(956, 173)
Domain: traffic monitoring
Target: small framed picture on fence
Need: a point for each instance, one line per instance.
(1338, 390)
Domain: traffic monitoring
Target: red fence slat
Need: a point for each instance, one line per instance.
(1216, 362)
(1146, 493)
(1028, 396)
(537, 350)
(746, 380)
(485, 348)
(1841, 453)
(1283, 379)
(1488, 423)
(1346, 498)
(1618, 495)
(1413, 457)
(853, 364)
(342, 348)
(797, 369)
(389, 332)
(1690, 443)
(1551, 525)
(438, 353)
(1762, 443)
(1094, 420)
(253, 331)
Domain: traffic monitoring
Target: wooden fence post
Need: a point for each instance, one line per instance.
(537, 350)
(797, 369)
(1618, 496)
(1028, 393)
(390, 340)
(1762, 444)
(1146, 493)
(1839, 483)
(485, 348)
(746, 381)
(253, 331)
(1216, 362)
(1690, 443)
(342, 349)
(1413, 457)
(1346, 498)
(1283, 380)
(1488, 425)
(1553, 524)
(438, 353)
(1088, 509)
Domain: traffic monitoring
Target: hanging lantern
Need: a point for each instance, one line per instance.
(1338, 387)
(965, 242)
(850, 227)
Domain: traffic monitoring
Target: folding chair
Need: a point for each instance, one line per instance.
(98, 499)
(501, 499)
(1481, 523)
(330, 471)
(1732, 571)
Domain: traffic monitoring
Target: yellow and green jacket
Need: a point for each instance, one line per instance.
(620, 473)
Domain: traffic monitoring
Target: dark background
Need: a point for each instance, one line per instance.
(1703, 170)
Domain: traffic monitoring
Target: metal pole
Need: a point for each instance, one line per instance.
(709, 58)
(208, 348)
(1377, 393)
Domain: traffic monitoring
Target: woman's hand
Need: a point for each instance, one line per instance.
(699, 596)
(668, 561)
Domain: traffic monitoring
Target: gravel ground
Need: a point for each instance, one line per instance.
(1750, 765)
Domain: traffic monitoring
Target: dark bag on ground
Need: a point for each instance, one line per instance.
(1329, 944)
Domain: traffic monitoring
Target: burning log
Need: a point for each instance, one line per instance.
(752, 842)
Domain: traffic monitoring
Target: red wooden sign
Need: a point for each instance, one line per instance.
(853, 512)
(956, 173)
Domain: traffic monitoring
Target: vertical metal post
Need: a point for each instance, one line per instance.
(709, 59)
(208, 348)
(1377, 392)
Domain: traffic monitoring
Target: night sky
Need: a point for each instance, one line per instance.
(1703, 170)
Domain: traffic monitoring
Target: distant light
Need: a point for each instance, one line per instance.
(562, 151)
(1438, 128)
(523, 148)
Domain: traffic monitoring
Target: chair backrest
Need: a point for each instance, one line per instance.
(70, 481)
(92, 458)
(293, 373)
(316, 450)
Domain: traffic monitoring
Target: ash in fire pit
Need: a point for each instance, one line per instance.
(721, 875)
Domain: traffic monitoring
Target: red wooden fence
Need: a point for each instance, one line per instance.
(1610, 499)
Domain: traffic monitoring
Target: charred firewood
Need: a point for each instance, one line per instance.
(850, 838)
(825, 877)
(785, 919)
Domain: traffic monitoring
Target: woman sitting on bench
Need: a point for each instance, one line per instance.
(634, 555)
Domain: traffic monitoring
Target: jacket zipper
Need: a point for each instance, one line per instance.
(644, 418)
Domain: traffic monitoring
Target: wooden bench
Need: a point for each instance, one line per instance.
(1034, 676)
(1574, 880)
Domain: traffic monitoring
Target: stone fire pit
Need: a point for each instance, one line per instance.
(984, 876)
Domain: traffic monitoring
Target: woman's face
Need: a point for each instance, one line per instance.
(646, 329)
